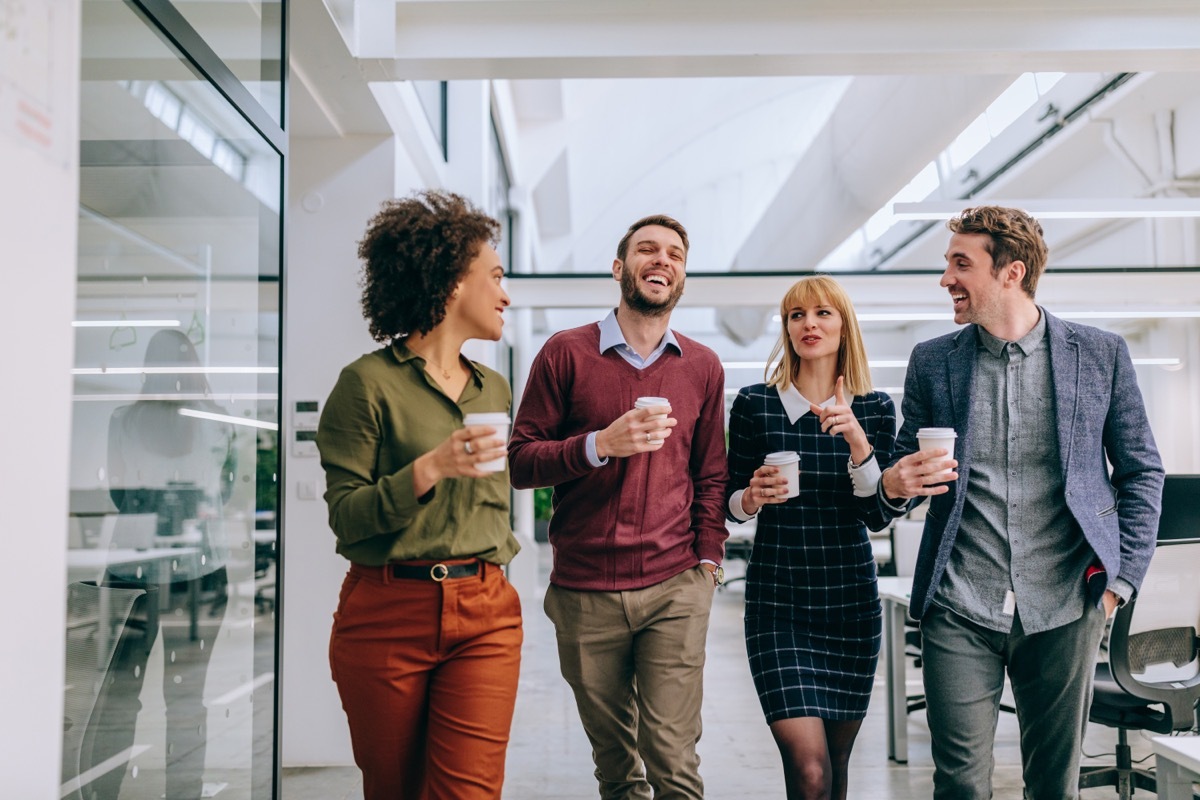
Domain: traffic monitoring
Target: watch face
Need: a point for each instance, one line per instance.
(720, 575)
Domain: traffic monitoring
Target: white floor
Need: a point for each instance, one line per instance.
(549, 756)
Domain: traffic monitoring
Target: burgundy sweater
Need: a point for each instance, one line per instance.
(636, 521)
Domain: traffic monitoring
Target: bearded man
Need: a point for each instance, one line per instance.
(639, 524)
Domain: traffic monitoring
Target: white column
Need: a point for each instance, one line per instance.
(336, 187)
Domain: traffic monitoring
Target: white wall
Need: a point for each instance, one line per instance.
(39, 132)
(336, 186)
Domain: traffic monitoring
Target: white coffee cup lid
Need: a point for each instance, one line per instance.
(486, 418)
(646, 402)
(938, 433)
(782, 457)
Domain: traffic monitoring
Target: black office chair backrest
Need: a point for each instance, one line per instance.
(1153, 647)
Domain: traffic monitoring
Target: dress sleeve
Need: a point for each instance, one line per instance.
(880, 419)
(743, 456)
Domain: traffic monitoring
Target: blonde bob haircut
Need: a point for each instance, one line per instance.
(821, 290)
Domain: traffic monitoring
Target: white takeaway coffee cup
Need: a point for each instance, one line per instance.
(789, 467)
(498, 420)
(937, 438)
(647, 402)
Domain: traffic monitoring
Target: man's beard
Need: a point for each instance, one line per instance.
(637, 301)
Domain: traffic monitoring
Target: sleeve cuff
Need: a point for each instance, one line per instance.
(592, 456)
(735, 507)
(1122, 589)
(899, 506)
(865, 476)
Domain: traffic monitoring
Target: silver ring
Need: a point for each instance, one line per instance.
(467, 448)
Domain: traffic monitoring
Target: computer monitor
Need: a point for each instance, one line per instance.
(1180, 508)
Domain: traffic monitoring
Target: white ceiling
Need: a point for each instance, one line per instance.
(775, 130)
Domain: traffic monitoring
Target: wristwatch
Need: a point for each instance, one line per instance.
(718, 575)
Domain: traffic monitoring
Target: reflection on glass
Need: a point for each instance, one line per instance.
(170, 632)
(247, 36)
(170, 476)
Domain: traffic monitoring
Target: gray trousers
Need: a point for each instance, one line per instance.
(1051, 675)
(635, 661)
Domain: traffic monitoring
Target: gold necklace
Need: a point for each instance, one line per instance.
(428, 360)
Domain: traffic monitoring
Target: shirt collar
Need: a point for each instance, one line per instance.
(611, 336)
(403, 355)
(797, 405)
(1026, 344)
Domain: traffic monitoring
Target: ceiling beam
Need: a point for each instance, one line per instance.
(465, 39)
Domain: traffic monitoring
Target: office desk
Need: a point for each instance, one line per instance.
(1178, 760)
(894, 596)
(90, 564)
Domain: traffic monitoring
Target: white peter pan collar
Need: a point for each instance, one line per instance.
(797, 405)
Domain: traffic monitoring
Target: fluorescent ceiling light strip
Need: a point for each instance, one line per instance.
(900, 316)
(232, 420)
(125, 323)
(175, 371)
(1060, 208)
(1156, 314)
(133, 398)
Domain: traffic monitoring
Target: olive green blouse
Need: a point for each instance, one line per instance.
(383, 413)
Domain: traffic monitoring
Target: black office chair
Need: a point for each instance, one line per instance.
(1152, 679)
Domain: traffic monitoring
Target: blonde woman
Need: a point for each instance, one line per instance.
(813, 621)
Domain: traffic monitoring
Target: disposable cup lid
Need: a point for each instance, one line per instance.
(937, 433)
(783, 457)
(486, 418)
(644, 402)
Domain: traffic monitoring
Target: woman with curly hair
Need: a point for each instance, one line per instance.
(426, 642)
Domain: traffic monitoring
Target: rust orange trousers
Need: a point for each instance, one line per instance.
(427, 673)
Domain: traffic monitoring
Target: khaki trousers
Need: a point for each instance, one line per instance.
(635, 661)
(427, 673)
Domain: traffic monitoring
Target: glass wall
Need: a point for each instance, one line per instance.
(171, 631)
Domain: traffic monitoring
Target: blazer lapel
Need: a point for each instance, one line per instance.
(960, 367)
(1064, 374)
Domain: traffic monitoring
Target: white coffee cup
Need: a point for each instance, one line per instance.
(498, 420)
(789, 467)
(647, 402)
(937, 439)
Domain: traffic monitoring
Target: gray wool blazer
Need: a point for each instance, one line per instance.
(1101, 421)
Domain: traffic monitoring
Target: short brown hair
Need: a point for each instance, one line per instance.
(852, 354)
(654, 219)
(1012, 235)
(415, 251)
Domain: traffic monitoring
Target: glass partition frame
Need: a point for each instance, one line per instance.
(182, 231)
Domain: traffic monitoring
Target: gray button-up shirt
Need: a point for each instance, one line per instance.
(1016, 533)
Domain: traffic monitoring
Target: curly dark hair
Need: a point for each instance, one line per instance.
(415, 251)
(1012, 235)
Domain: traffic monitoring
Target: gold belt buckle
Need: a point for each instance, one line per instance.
(439, 572)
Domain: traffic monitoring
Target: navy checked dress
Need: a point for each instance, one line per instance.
(813, 620)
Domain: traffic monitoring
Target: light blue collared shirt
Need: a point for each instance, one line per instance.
(610, 338)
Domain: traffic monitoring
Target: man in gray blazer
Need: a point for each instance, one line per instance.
(1033, 542)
